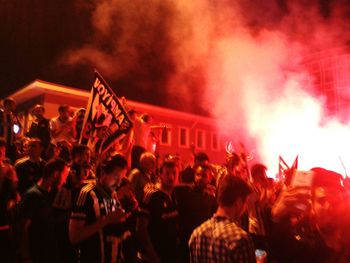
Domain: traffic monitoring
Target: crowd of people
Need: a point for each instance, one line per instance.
(60, 202)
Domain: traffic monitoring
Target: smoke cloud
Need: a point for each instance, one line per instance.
(245, 63)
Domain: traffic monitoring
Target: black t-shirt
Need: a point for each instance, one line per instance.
(36, 205)
(141, 183)
(28, 173)
(161, 211)
(187, 175)
(41, 130)
(303, 243)
(195, 205)
(92, 203)
(62, 207)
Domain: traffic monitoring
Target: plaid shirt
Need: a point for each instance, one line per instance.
(219, 239)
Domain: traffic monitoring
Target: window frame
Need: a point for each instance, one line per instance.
(169, 130)
(203, 139)
(187, 132)
(217, 149)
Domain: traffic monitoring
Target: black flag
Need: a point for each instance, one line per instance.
(105, 119)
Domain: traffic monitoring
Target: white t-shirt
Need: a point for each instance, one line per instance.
(66, 134)
(142, 131)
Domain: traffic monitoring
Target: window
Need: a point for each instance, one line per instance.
(200, 139)
(165, 136)
(184, 137)
(214, 142)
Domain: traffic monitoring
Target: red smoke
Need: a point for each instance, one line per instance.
(243, 61)
(257, 84)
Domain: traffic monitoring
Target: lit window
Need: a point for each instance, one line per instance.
(165, 136)
(184, 137)
(200, 139)
(214, 142)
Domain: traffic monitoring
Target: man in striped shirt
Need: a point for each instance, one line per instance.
(157, 226)
(220, 239)
(95, 224)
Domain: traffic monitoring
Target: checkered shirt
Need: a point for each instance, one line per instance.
(219, 239)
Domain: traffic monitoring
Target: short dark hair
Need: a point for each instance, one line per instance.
(8, 101)
(202, 167)
(39, 106)
(79, 149)
(145, 117)
(53, 165)
(81, 110)
(257, 171)
(35, 140)
(63, 107)
(327, 179)
(107, 166)
(167, 164)
(230, 189)
(258, 168)
(131, 112)
(201, 157)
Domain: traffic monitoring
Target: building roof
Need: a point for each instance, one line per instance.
(40, 87)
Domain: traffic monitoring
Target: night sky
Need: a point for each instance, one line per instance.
(34, 35)
(37, 34)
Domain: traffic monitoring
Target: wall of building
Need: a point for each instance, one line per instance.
(186, 132)
(331, 72)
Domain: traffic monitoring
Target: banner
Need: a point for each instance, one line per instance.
(295, 163)
(105, 119)
(283, 167)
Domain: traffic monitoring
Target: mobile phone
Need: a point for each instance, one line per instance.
(260, 256)
(302, 178)
(16, 128)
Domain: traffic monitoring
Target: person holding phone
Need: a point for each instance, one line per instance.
(310, 222)
(95, 224)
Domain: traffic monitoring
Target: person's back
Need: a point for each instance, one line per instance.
(220, 239)
(199, 206)
(187, 175)
(37, 206)
(196, 204)
(39, 242)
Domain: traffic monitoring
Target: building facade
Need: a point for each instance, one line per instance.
(331, 72)
(187, 133)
